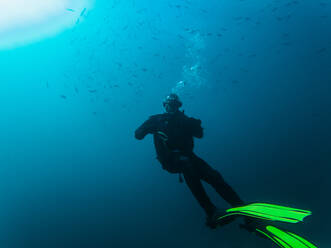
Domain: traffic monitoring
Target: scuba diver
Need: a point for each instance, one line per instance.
(173, 134)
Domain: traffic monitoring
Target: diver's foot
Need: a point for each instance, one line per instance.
(211, 220)
(250, 224)
(210, 224)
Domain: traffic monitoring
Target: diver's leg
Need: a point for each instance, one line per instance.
(215, 179)
(192, 180)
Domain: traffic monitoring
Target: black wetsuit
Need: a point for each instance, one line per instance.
(175, 153)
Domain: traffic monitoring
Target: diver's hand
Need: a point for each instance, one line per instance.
(162, 135)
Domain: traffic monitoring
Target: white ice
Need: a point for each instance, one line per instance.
(25, 21)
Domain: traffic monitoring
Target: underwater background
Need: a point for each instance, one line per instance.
(258, 75)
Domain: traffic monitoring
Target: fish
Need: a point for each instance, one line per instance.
(141, 10)
(71, 10)
(83, 12)
(92, 91)
(63, 97)
(288, 17)
(322, 50)
(238, 18)
(285, 35)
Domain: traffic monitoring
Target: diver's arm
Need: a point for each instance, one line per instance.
(147, 127)
(196, 129)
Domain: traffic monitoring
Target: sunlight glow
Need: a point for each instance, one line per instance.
(25, 21)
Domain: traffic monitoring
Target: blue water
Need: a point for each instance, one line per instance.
(258, 75)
